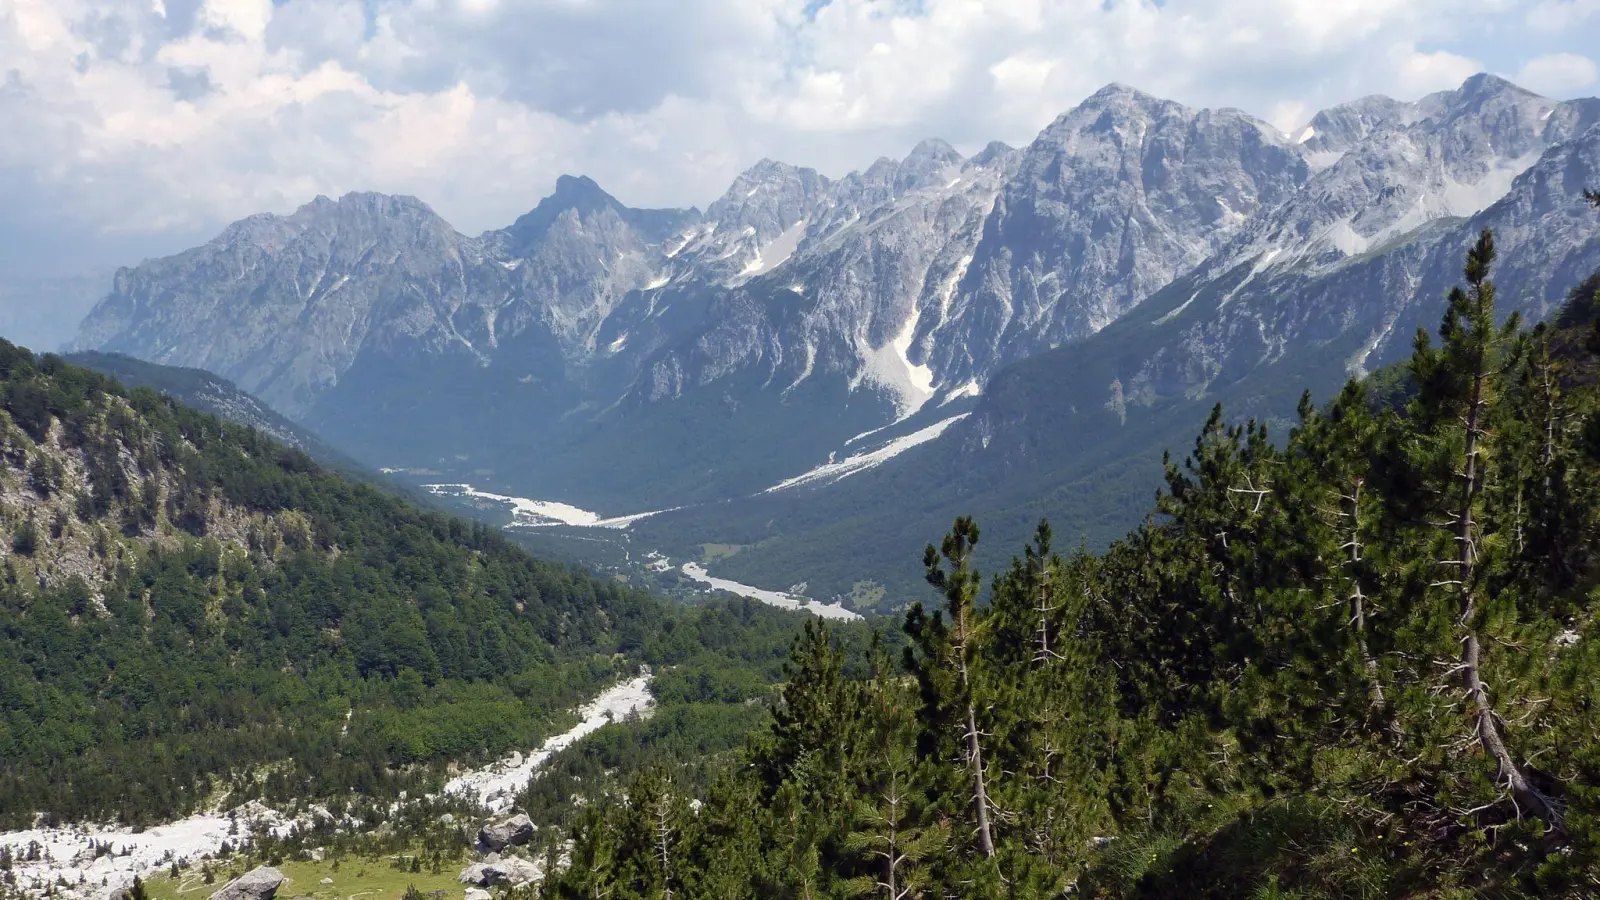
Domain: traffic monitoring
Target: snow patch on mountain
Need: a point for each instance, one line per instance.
(1357, 366)
(970, 389)
(891, 368)
(1162, 320)
(830, 472)
(776, 253)
(526, 513)
(778, 599)
(1261, 265)
(947, 291)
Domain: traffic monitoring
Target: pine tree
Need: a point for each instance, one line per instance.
(889, 838)
(589, 874)
(1460, 383)
(889, 834)
(664, 835)
(818, 722)
(1337, 447)
(959, 587)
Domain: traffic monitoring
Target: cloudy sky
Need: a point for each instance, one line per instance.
(130, 127)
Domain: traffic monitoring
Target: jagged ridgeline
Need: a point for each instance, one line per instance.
(1362, 661)
(188, 606)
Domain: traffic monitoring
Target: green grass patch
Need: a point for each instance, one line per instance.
(710, 553)
(353, 878)
(866, 595)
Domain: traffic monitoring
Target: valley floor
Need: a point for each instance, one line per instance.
(528, 513)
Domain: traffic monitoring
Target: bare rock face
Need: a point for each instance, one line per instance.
(257, 884)
(285, 305)
(1110, 203)
(513, 831)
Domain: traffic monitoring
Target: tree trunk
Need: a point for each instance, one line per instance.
(1358, 600)
(1523, 792)
(1044, 609)
(980, 795)
(664, 847)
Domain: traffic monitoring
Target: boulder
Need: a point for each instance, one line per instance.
(257, 884)
(477, 894)
(513, 872)
(327, 880)
(509, 832)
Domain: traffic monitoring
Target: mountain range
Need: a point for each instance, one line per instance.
(816, 370)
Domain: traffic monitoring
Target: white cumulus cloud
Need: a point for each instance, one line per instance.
(168, 117)
(1557, 73)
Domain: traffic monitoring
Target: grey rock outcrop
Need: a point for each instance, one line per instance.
(511, 871)
(512, 831)
(257, 884)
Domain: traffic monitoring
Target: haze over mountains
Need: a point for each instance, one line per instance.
(1046, 316)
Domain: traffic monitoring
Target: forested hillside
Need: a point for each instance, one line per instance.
(1362, 661)
(208, 393)
(190, 608)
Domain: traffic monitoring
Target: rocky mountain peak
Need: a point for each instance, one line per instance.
(924, 164)
(768, 193)
(1334, 131)
(578, 194)
(1484, 87)
(1117, 92)
(769, 203)
(932, 153)
(365, 212)
(993, 152)
(366, 206)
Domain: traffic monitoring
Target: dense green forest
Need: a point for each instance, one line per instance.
(188, 608)
(1361, 661)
